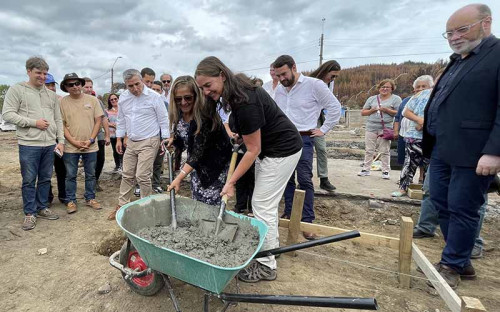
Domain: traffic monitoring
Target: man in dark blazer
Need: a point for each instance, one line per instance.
(462, 135)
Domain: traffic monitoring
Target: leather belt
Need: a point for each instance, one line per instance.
(308, 132)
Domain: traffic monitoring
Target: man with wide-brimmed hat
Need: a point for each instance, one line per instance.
(81, 114)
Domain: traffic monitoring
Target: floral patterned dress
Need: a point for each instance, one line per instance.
(209, 195)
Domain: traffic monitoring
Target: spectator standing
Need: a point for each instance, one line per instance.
(302, 99)
(271, 86)
(34, 110)
(380, 109)
(103, 136)
(327, 72)
(113, 117)
(461, 131)
(82, 115)
(142, 117)
(59, 167)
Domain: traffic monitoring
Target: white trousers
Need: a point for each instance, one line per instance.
(271, 177)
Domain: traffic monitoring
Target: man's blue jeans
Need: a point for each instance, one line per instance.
(457, 193)
(36, 167)
(71, 163)
(428, 220)
(304, 177)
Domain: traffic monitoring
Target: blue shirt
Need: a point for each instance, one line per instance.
(444, 84)
(399, 115)
(417, 105)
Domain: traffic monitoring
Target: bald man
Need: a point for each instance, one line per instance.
(461, 135)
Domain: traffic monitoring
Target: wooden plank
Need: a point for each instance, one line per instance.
(444, 290)
(470, 304)
(405, 241)
(366, 239)
(294, 228)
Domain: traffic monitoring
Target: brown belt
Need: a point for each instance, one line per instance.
(308, 132)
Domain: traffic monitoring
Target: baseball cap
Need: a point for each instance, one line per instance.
(49, 79)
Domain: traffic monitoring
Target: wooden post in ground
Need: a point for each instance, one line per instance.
(405, 244)
(470, 304)
(294, 228)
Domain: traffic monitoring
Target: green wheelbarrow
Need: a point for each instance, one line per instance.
(146, 268)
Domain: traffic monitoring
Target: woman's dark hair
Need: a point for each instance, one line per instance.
(110, 106)
(324, 69)
(233, 91)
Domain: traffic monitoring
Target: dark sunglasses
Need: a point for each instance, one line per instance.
(166, 81)
(187, 98)
(72, 84)
(113, 99)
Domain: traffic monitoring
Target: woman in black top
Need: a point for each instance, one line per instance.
(272, 142)
(201, 132)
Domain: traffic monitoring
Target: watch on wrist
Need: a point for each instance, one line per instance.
(92, 141)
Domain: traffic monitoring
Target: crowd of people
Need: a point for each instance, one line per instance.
(448, 128)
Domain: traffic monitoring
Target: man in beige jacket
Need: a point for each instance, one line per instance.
(35, 111)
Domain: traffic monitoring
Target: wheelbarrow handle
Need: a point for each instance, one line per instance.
(308, 301)
(317, 242)
(129, 273)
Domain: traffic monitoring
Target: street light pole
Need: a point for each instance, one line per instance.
(111, 89)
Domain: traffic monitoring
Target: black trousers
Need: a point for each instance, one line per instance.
(244, 189)
(60, 170)
(117, 157)
(101, 156)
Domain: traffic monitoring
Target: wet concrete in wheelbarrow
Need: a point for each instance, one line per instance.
(189, 239)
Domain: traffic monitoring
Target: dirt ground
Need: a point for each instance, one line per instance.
(68, 276)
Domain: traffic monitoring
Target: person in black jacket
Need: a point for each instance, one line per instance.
(202, 134)
(462, 135)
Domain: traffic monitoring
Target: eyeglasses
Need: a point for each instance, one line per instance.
(187, 98)
(166, 81)
(460, 31)
(72, 84)
(385, 87)
(113, 100)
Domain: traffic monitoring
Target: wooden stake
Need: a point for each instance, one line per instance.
(470, 304)
(405, 241)
(294, 228)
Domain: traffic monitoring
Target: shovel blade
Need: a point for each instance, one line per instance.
(227, 231)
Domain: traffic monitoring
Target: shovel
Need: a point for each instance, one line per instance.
(223, 230)
(172, 192)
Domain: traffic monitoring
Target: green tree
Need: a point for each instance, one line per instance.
(3, 90)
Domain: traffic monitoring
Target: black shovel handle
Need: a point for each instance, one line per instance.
(172, 191)
(307, 301)
(317, 242)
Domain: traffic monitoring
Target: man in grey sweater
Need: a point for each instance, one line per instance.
(35, 111)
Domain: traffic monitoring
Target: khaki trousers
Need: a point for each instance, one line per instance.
(138, 166)
(373, 144)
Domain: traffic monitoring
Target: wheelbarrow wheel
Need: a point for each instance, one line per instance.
(147, 285)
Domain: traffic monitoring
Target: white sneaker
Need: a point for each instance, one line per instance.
(157, 189)
(364, 173)
(385, 175)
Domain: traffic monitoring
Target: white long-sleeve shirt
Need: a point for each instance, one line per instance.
(304, 102)
(268, 86)
(141, 117)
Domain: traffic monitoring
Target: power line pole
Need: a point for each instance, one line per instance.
(321, 42)
(119, 57)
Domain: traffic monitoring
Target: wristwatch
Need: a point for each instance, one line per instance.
(92, 141)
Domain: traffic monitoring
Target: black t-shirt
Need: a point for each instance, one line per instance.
(279, 136)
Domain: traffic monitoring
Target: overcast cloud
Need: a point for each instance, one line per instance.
(173, 36)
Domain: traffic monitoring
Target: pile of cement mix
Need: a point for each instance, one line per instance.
(189, 239)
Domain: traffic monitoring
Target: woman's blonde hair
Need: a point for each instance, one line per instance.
(174, 112)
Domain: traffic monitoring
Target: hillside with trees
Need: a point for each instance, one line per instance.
(354, 85)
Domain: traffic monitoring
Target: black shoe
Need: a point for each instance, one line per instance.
(137, 191)
(326, 185)
(285, 216)
(449, 275)
(417, 233)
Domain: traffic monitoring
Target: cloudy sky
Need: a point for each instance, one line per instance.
(86, 37)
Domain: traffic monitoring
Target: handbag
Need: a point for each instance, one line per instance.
(387, 134)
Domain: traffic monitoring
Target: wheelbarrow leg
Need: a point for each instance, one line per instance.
(171, 293)
(206, 299)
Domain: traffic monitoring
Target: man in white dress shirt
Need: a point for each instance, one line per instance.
(142, 117)
(302, 98)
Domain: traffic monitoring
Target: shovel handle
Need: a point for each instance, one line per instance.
(172, 191)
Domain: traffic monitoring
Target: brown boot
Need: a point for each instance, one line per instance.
(94, 204)
(71, 207)
(451, 276)
(112, 215)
